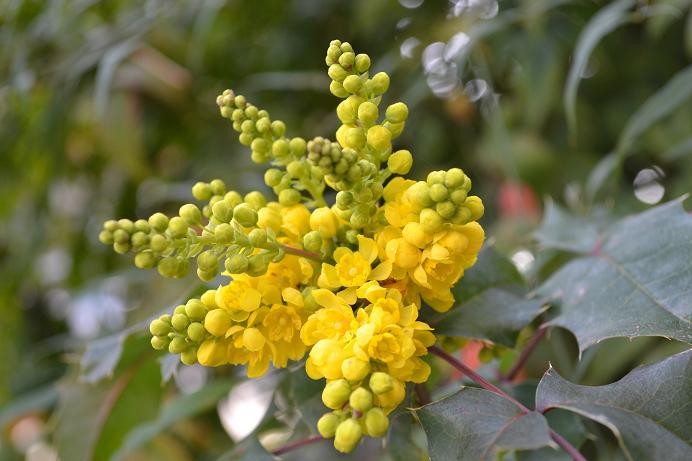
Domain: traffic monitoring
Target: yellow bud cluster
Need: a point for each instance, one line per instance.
(341, 283)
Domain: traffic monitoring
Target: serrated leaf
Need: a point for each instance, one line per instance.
(673, 94)
(647, 410)
(93, 419)
(564, 231)
(636, 282)
(403, 437)
(605, 21)
(492, 302)
(185, 406)
(475, 424)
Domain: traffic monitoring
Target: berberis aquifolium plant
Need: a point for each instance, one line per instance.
(341, 284)
(359, 291)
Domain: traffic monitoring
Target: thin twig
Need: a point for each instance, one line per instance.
(297, 444)
(525, 354)
(485, 384)
(301, 253)
(422, 393)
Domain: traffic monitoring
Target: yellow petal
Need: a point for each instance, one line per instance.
(341, 252)
(253, 339)
(367, 248)
(439, 253)
(326, 298)
(328, 277)
(420, 277)
(382, 271)
(348, 295)
(292, 296)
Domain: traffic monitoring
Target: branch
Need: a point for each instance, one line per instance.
(487, 385)
(525, 354)
(301, 253)
(297, 444)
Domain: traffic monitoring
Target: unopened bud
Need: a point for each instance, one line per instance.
(400, 162)
(376, 422)
(217, 322)
(347, 435)
(381, 382)
(327, 425)
(190, 213)
(244, 215)
(336, 393)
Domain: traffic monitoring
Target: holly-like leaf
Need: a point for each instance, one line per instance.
(564, 231)
(647, 410)
(475, 424)
(637, 281)
(492, 302)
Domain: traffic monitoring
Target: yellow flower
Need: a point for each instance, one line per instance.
(398, 210)
(333, 321)
(324, 221)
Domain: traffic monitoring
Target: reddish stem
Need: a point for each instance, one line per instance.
(297, 444)
(485, 384)
(525, 354)
(301, 253)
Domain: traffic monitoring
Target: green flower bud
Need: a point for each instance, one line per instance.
(201, 191)
(395, 128)
(120, 236)
(251, 112)
(454, 178)
(336, 393)
(139, 239)
(196, 332)
(296, 169)
(436, 177)
(278, 128)
(126, 225)
(158, 243)
(438, 193)
(223, 233)
(352, 236)
(207, 275)
(111, 225)
(159, 343)
(195, 310)
(376, 422)
(337, 72)
(280, 148)
(188, 357)
(381, 382)
(289, 197)
(258, 264)
(145, 260)
(344, 199)
(347, 110)
(158, 327)
(458, 196)
(255, 199)
(355, 369)
(362, 63)
(168, 267)
(142, 225)
(263, 125)
(347, 435)
(106, 237)
(337, 89)
(352, 84)
(312, 241)
(217, 322)
(178, 227)
(180, 322)
(347, 60)
(475, 206)
(397, 112)
(218, 187)
(245, 138)
(327, 425)
(419, 195)
(361, 399)
(380, 83)
(272, 177)
(233, 198)
(244, 215)
(430, 220)
(400, 162)
(236, 264)
(260, 145)
(159, 222)
(446, 209)
(258, 238)
(259, 157)
(121, 248)
(190, 213)
(368, 113)
(207, 260)
(355, 138)
(177, 345)
(297, 146)
(359, 219)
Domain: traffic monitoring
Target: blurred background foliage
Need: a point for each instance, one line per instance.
(107, 109)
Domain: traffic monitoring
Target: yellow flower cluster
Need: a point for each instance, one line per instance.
(345, 284)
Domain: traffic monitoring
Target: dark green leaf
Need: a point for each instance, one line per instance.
(564, 231)
(492, 302)
(475, 424)
(603, 22)
(636, 282)
(185, 406)
(647, 410)
(402, 439)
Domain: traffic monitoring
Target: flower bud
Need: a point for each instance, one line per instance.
(438, 192)
(272, 177)
(446, 209)
(337, 89)
(180, 322)
(360, 399)
(112, 225)
(348, 59)
(196, 332)
(126, 225)
(145, 260)
(244, 215)
(297, 146)
(289, 197)
(158, 243)
(381, 382)
(380, 139)
(255, 199)
(188, 357)
(201, 191)
(158, 327)
(233, 199)
(362, 63)
(359, 219)
(296, 169)
(121, 248)
(430, 220)
(106, 237)
(190, 213)
(312, 241)
(195, 310)
(397, 112)
(436, 177)
(177, 345)
(217, 322)
(120, 236)
(380, 83)
(347, 435)
(419, 195)
(337, 72)
(327, 425)
(159, 343)
(207, 261)
(347, 110)
(139, 239)
(223, 233)
(324, 221)
(258, 238)
(415, 234)
(336, 393)
(458, 196)
(236, 264)
(355, 138)
(352, 84)
(344, 199)
(355, 369)
(454, 178)
(258, 264)
(218, 187)
(475, 206)
(400, 162)
(376, 422)
(178, 227)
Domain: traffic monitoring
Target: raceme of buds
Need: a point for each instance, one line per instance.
(293, 277)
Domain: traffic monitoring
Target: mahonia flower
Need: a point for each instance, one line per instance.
(340, 285)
